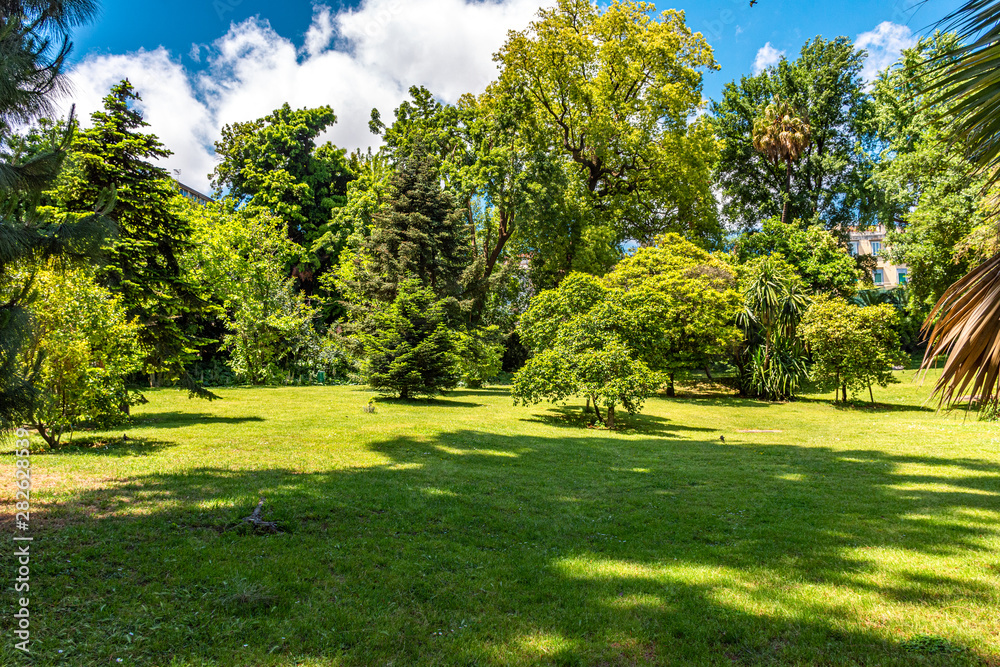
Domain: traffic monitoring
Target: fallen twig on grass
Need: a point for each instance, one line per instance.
(259, 525)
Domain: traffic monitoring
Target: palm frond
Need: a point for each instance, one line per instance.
(965, 326)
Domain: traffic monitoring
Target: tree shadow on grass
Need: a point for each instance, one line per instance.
(440, 402)
(181, 419)
(625, 424)
(865, 406)
(482, 391)
(104, 445)
(113, 446)
(482, 548)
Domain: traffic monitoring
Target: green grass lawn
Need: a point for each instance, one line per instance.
(465, 531)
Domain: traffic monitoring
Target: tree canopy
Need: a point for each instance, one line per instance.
(829, 183)
(614, 91)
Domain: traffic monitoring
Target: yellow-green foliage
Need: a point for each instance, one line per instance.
(670, 306)
(83, 346)
(852, 347)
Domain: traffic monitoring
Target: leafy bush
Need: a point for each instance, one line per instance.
(82, 349)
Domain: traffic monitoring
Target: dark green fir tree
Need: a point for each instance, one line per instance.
(410, 279)
(142, 264)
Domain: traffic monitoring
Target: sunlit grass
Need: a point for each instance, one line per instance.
(467, 531)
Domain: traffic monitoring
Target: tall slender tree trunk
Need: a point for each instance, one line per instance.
(870, 394)
(611, 416)
(786, 209)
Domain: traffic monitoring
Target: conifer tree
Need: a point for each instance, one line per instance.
(419, 233)
(142, 267)
(34, 43)
(409, 282)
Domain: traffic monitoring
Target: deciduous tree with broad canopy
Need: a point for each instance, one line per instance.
(614, 90)
(615, 340)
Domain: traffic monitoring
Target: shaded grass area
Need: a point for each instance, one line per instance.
(467, 531)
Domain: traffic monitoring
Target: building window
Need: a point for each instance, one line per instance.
(853, 248)
(876, 247)
(902, 275)
(878, 277)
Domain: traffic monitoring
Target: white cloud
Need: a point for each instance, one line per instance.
(321, 31)
(884, 44)
(353, 60)
(767, 56)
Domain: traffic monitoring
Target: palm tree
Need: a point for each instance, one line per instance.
(965, 322)
(781, 136)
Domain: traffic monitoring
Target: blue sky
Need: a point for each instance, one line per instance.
(202, 63)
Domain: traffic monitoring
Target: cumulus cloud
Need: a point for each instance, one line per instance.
(353, 59)
(884, 44)
(767, 56)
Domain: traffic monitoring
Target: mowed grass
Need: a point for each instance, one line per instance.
(465, 531)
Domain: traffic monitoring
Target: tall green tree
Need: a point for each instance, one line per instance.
(614, 91)
(142, 266)
(830, 183)
(931, 204)
(418, 233)
(34, 45)
(274, 163)
(782, 137)
(406, 283)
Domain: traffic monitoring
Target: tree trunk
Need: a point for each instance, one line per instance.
(670, 385)
(708, 374)
(870, 395)
(611, 416)
(788, 192)
(843, 388)
(404, 393)
(597, 411)
(52, 440)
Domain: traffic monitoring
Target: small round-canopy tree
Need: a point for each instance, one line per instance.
(615, 339)
(852, 347)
